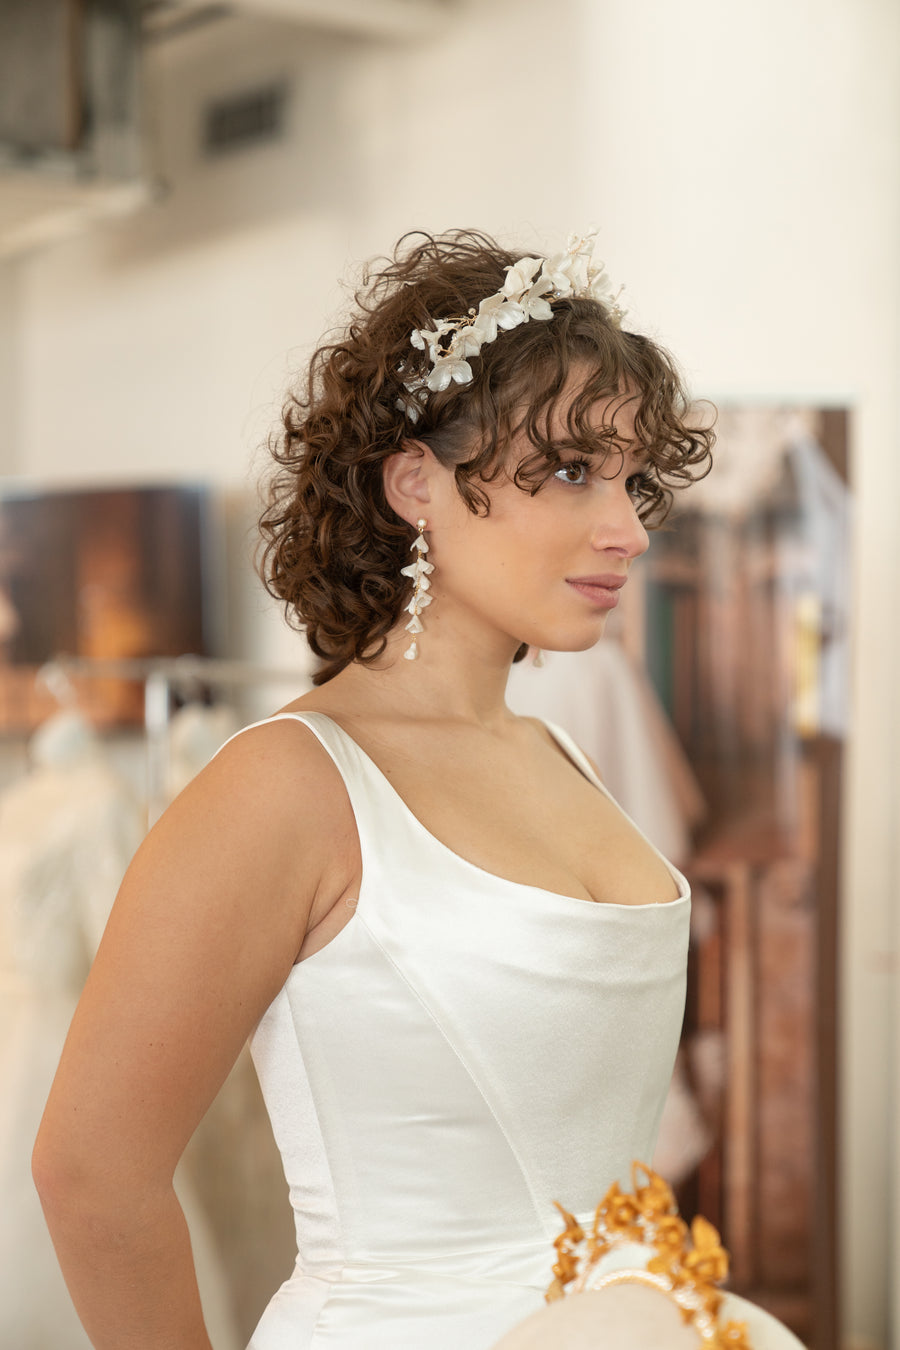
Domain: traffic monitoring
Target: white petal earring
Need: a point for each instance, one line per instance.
(420, 571)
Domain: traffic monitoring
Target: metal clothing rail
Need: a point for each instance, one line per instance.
(211, 670)
(160, 675)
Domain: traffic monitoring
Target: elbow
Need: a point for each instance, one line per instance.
(80, 1205)
(70, 1178)
(54, 1170)
(86, 1186)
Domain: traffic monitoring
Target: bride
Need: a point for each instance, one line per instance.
(460, 965)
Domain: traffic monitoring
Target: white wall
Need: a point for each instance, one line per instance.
(743, 163)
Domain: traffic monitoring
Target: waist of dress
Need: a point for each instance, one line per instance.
(526, 1264)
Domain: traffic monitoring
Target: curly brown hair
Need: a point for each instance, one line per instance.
(333, 548)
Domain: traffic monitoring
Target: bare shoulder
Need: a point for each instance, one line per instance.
(273, 764)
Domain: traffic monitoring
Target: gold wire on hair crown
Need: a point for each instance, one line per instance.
(530, 286)
(686, 1264)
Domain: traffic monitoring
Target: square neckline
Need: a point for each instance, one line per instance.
(570, 751)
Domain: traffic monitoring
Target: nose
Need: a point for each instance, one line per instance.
(618, 529)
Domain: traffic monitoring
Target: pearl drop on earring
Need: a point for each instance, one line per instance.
(419, 571)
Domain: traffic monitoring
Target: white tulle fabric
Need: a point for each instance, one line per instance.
(465, 1050)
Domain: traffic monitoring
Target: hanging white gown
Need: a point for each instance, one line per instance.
(67, 832)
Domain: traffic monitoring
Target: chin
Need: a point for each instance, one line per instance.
(584, 646)
(583, 642)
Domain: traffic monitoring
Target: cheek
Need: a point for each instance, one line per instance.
(514, 541)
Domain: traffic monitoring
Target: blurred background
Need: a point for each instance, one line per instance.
(186, 193)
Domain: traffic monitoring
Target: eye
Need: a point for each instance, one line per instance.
(636, 486)
(575, 472)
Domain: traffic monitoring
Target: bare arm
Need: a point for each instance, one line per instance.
(204, 931)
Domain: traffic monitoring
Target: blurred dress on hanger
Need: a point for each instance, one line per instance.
(68, 830)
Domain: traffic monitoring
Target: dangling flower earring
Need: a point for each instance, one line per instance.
(419, 571)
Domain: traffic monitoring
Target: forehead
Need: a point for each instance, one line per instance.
(610, 417)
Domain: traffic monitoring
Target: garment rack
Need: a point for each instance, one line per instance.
(160, 676)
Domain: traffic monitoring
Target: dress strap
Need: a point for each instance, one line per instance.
(575, 754)
(581, 761)
(365, 784)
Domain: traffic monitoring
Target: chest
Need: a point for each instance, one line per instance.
(530, 816)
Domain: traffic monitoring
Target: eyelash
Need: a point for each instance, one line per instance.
(635, 484)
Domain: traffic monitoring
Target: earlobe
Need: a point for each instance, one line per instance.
(405, 476)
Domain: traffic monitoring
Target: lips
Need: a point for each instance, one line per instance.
(602, 590)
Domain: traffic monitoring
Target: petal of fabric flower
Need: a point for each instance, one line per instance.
(486, 321)
(461, 372)
(519, 275)
(486, 325)
(556, 272)
(467, 342)
(440, 377)
(536, 307)
(600, 285)
(510, 315)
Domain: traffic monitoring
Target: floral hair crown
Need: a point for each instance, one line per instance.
(686, 1264)
(530, 285)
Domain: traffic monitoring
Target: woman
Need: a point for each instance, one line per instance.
(462, 968)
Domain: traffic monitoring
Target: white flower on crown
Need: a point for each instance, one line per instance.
(529, 287)
(520, 277)
(534, 304)
(449, 368)
(495, 313)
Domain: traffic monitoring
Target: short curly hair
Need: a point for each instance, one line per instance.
(332, 546)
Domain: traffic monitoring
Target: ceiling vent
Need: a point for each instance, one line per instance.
(243, 120)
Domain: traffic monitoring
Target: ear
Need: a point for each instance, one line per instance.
(407, 480)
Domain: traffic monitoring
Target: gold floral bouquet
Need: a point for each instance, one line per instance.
(688, 1264)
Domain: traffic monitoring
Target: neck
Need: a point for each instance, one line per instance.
(453, 678)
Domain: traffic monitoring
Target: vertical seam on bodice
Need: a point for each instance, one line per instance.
(442, 1032)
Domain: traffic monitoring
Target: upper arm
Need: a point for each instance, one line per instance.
(202, 935)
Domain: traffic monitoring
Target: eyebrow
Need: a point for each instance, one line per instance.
(640, 459)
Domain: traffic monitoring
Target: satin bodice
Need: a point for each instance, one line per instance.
(466, 1050)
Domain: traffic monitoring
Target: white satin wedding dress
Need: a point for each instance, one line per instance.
(465, 1051)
